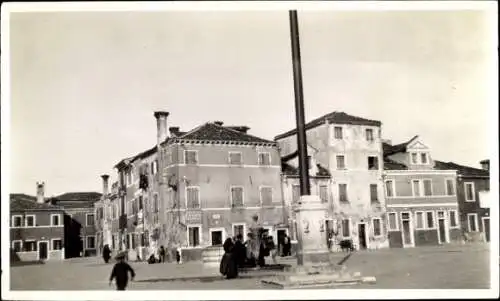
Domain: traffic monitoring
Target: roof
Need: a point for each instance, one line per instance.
(78, 197)
(485, 161)
(462, 170)
(393, 165)
(398, 148)
(334, 117)
(24, 202)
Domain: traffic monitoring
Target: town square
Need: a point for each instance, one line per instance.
(250, 150)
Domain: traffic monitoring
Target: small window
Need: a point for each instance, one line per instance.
(154, 167)
(393, 221)
(414, 158)
(90, 219)
(264, 159)
(323, 193)
(423, 158)
(56, 244)
(377, 227)
(141, 202)
(389, 188)
(17, 245)
(90, 240)
(30, 246)
(266, 196)
(56, 220)
(469, 192)
(373, 193)
(427, 187)
(309, 162)
(430, 219)
(193, 197)
(30, 221)
(237, 196)
(156, 204)
(453, 219)
(194, 236)
(190, 157)
(369, 135)
(239, 230)
(419, 216)
(372, 163)
(416, 187)
(295, 193)
(235, 158)
(338, 132)
(17, 221)
(450, 187)
(343, 193)
(472, 220)
(346, 229)
(340, 162)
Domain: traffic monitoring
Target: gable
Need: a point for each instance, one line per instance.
(417, 145)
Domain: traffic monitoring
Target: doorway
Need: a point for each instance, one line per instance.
(281, 233)
(43, 250)
(406, 229)
(217, 237)
(486, 228)
(363, 244)
(442, 237)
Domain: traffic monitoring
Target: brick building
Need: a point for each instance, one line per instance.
(421, 199)
(36, 228)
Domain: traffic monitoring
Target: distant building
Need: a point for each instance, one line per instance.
(473, 195)
(36, 228)
(350, 148)
(422, 206)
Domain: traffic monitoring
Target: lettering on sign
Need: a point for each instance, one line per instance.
(216, 216)
(193, 217)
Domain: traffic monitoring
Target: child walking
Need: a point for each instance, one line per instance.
(120, 272)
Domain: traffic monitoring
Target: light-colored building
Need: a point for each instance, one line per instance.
(350, 148)
(422, 206)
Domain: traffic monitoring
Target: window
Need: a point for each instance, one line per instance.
(30, 246)
(235, 158)
(264, 159)
(373, 193)
(128, 175)
(17, 221)
(266, 196)
(239, 229)
(141, 202)
(154, 167)
(340, 162)
(17, 245)
(419, 216)
(346, 229)
(393, 221)
(90, 219)
(423, 158)
(156, 204)
(472, 221)
(90, 242)
(416, 187)
(389, 185)
(55, 220)
(193, 236)
(309, 162)
(295, 193)
(193, 197)
(453, 219)
(450, 187)
(338, 132)
(430, 220)
(372, 163)
(343, 193)
(427, 187)
(117, 211)
(377, 227)
(56, 244)
(414, 158)
(237, 196)
(323, 193)
(469, 192)
(190, 157)
(369, 135)
(30, 221)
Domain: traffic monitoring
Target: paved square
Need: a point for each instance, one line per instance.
(440, 267)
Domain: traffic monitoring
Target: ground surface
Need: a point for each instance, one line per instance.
(443, 267)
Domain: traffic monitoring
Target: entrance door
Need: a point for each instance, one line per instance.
(406, 229)
(441, 227)
(43, 250)
(216, 238)
(486, 228)
(362, 236)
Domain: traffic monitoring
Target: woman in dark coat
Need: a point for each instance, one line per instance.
(106, 253)
(228, 264)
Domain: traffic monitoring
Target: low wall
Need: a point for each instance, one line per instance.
(212, 256)
(33, 256)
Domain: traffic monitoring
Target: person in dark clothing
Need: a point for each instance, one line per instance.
(162, 254)
(240, 251)
(228, 264)
(120, 272)
(106, 253)
(287, 246)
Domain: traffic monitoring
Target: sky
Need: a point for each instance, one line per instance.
(84, 85)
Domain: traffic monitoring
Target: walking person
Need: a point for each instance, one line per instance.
(120, 273)
(178, 255)
(106, 253)
(162, 254)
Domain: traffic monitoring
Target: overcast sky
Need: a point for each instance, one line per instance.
(85, 85)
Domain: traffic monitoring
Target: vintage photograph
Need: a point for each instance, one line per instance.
(164, 148)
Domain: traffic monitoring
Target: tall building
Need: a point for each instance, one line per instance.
(350, 148)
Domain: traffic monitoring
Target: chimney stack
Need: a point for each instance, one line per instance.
(485, 164)
(174, 131)
(105, 179)
(40, 192)
(161, 126)
(219, 123)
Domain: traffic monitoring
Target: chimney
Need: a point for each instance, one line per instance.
(174, 131)
(40, 192)
(219, 123)
(485, 164)
(161, 126)
(105, 179)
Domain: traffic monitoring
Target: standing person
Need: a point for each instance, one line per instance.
(106, 253)
(239, 251)
(178, 255)
(162, 254)
(286, 246)
(272, 248)
(120, 272)
(228, 265)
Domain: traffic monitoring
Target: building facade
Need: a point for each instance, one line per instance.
(350, 148)
(194, 189)
(36, 228)
(473, 186)
(422, 206)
